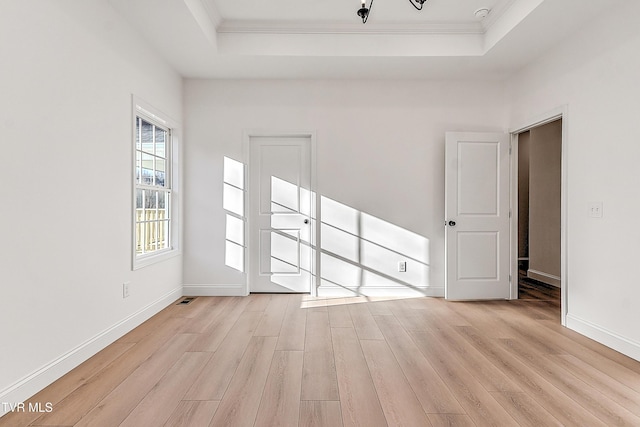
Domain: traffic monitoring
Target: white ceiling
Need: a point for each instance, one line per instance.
(326, 39)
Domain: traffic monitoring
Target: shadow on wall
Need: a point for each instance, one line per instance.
(361, 254)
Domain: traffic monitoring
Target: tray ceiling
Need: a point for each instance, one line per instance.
(326, 39)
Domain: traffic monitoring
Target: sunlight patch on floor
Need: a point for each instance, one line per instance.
(309, 301)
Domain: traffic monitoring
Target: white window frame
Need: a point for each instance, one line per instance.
(141, 109)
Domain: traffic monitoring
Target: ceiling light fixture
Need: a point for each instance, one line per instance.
(364, 11)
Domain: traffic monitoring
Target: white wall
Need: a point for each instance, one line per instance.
(380, 150)
(595, 74)
(69, 69)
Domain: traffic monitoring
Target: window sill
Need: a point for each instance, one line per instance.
(150, 259)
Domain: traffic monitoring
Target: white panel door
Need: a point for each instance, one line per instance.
(280, 214)
(477, 216)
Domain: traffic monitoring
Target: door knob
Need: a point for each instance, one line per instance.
(306, 221)
(452, 223)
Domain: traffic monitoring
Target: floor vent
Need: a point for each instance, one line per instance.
(185, 301)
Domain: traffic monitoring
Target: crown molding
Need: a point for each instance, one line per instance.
(213, 12)
(496, 14)
(287, 27)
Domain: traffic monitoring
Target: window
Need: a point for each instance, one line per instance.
(153, 198)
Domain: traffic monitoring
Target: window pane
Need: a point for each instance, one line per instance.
(161, 200)
(138, 133)
(138, 166)
(160, 172)
(147, 169)
(161, 139)
(139, 237)
(138, 200)
(147, 136)
(150, 237)
(163, 234)
(150, 202)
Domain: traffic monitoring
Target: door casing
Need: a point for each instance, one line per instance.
(550, 116)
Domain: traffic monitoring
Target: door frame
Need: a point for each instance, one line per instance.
(550, 116)
(315, 223)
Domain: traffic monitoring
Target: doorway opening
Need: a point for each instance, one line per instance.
(539, 213)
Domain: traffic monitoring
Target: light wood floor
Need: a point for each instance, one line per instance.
(286, 360)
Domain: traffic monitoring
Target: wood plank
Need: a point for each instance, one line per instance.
(599, 351)
(193, 310)
(358, 398)
(527, 328)
(452, 311)
(311, 302)
(339, 316)
(158, 405)
(320, 413)
(473, 397)
(271, 321)
(149, 326)
(557, 403)
(480, 315)
(591, 399)
(410, 319)
(217, 330)
(450, 420)
(379, 308)
(294, 324)
(448, 339)
(557, 340)
(620, 393)
(525, 410)
(363, 323)
(434, 395)
(218, 373)
(258, 302)
(115, 407)
(399, 403)
(193, 413)
(241, 401)
(319, 379)
(84, 398)
(67, 384)
(280, 403)
(213, 309)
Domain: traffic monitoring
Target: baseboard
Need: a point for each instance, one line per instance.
(602, 335)
(211, 290)
(543, 277)
(41, 378)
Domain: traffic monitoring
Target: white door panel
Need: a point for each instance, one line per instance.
(477, 216)
(280, 208)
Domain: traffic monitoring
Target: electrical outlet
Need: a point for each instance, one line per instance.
(125, 289)
(595, 209)
(402, 266)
